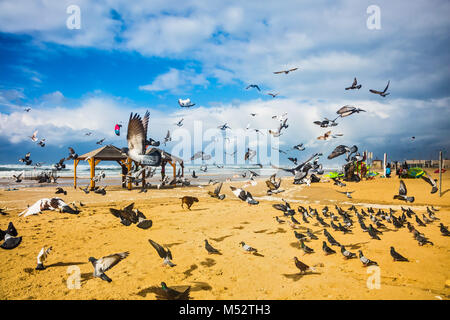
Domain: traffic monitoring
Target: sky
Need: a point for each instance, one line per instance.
(145, 55)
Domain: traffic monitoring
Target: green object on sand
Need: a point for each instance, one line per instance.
(415, 172)
(334, 174)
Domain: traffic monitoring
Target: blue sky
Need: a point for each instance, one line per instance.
(129, 57)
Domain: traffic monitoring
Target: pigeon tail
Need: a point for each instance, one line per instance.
(105, 277)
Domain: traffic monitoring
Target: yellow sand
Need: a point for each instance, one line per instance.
(234, 274)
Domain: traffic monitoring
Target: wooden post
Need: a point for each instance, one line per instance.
(129, 170)
(440, 173)
(143, 178)
(384, 164)
(92, 163)
(75, 163)
(174, 166)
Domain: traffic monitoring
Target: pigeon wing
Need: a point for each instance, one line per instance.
(110, 261)
(162, 253)
(217, 190)
(386, 86)
(402, 190)
(136, 134)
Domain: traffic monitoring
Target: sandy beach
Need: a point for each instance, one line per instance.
(233, 274)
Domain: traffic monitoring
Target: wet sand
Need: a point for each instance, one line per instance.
(233, 274)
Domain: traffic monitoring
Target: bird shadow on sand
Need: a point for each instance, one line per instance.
(260, 231)
(208, 262)
(445, 192)
(188, 272)
(170, 245)
(86, 276)
(354, 246)
(220, 239)
(65, 264)
(298, 276)
(279, 230)
(199, 209)
(295, 245)
(258, 254)
(160, 294)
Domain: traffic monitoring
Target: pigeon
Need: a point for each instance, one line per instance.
(402, 193)
(224, 127)
(243, 195)
(354, 85)
(325, 136)
(60, 190)
(127, 215)
(180, 123)
(311, 235)
(347, 254)
(167, 138)
(299, 147)
(104, 264)
(216, 192)
(60, 165)
(18, 178)
(26, 159)
(165, 255)
(250, 154)
(372, 233)
(253, 86)
(327, 249)
(210, 249)
(420, 222)
(137, 139)
(273, 95)
(247, 248)
(34, 136)
(294, 220)
(348, 110)
(27, 109)
(294, 160)
(366, 262)
(305, 248)
(421, 238)
(172, 294)
(42, 256)
(100, 142)
(301, 266)
(279, 220)
(185, 103)
(426, 177)
(193, 174)
(285, 71)
(347, 193)
(72, 154)
(41, 142)
(444, 230)
(10, 238)
(431, 214)
(381, 93)
(2, 211)
(88, 133)
(201, 155)
(253, 114)
(299, 236)
(397, 256)
(338, 183)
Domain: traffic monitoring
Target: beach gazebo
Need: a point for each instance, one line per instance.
(105, 153)
(112, 153)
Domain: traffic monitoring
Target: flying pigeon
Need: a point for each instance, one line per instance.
(100, 142)
(185, 103)
(72, 154)
(366, 262)
(224, 127)
(41, 143)
(216, 192)
(285, 71)
(210, 249)
(325, 136)
(247, 248)
(243, 195)
(354, 85)
(397, 256)
(381, 93)
(250, 154)
(18, 178)
(137, 139)
(60, 165)
(88, 133)
(104, 264)
(426, 177)
(26, 159)
(166, 255)
(34, 136)
(402, 193)
(42, 256)
(253, 86)
(299, 147)
(60, 190)
(273, 95)
(348, 110)
(27, 109)
(180, 123)
(201, 155)
(172, 294)
(347, 193)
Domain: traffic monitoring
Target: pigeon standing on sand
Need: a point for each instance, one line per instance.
(397, 256)
(366, 262)
(166, 255)
(42, 256)
(247, 248)
(210, 248)
(327, 249)
(10, 238)
(444, 230)
(402, 192)
(347, 254)
(104, 264)
(301, 266)
(305, 248)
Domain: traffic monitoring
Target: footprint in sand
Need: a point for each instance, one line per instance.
(208, 262)
(188, 272)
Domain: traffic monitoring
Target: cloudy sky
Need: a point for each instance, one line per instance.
(130, 56)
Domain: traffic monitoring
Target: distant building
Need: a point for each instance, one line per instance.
(427, 163)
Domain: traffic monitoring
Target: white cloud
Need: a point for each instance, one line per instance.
(176, 81)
